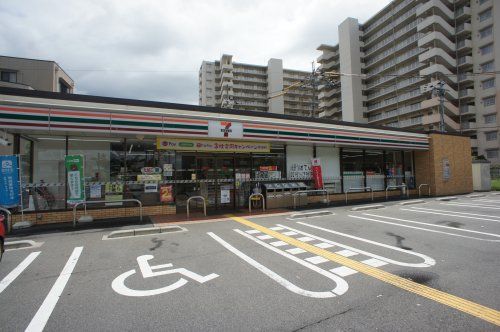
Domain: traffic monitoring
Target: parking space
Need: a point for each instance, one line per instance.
(425, 265)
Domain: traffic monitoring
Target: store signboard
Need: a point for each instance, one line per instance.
(151, 170)
(76, 185)
(225, 129)
(165, 143)
(9, 181)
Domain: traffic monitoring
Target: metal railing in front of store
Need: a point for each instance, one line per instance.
(196, 197)
(420, 189)
(403, 187)
(97, 202)
(297, 193)
(357, 190)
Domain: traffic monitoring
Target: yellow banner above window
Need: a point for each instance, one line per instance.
(187, 144)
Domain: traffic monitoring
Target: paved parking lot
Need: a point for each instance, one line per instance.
(426, 266)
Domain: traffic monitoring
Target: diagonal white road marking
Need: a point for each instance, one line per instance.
(43, 314)
(18, 270)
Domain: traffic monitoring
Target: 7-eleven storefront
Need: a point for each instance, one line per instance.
(163, 154)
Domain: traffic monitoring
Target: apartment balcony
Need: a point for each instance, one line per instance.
(463, 13)
(469, 126)
(439, 69)
(431, 6)
(464, 28)
(433, 23)
(327, 55)
(464, 45)
(226, 67)
(227, 76)
(434, 52)
(465, 78)
(466, 94)
(473, 143)
(435, 119)
(416, 121)
(329, 103)
(328, 113)
(467, 110)
(464, 62)
(434, 103)
(327, 94)
(434, 39)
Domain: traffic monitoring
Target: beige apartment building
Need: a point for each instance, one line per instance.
(242, 86)
(34, 74)
(389, 64)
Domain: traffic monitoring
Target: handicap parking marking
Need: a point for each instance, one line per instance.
(150, 271)
(340, 284)
(427, 229)
(42, 316)
(477, 310)
(351, 251)
(16, 272)
(449, 213)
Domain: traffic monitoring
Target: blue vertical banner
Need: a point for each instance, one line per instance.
(9, 181)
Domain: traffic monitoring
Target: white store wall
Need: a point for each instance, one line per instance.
(298, 161)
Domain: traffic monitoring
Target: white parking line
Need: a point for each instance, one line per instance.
(279, 243)
(428, 261)
(43, 314)
(473, 205)
(324, 245)
(9, 278)
(252, 231)
(343, 271)
(271, 274)
(316, 260)
(265, 237)
(346, 253)
(305, 239)
(451, 214)
(427, 229)
(290, 233)
(341, 285)
(374, 262)
(296, 251)
(275, 228)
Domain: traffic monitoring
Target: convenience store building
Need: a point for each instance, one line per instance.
(163, 153)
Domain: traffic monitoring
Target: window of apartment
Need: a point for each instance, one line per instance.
(486, 49)
(488, 66)
(492, 153)
(492, 118)
(489, 83)
(482, 2)
(488, 31)
(489, 101)
(485, 15)
(491, 136)
(9, 76)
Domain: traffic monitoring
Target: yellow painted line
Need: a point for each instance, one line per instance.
(469, 307)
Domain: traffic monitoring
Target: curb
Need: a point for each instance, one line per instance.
(416, 201)
(310, 214)
(451, 198)
(22, 244)
(143, 232)
(368, 207)
(475, 195)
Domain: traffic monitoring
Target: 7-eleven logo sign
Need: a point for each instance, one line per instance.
(225, 129)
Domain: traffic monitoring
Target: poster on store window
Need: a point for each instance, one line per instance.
(225, 195)
(316, 173)
(76, 184)
(9, 181)
(113, 193)
(95, 190)
(166, 194)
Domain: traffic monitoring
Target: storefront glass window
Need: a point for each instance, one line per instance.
(47, 191)
(409, 173)
(374, 169)
(394, 168)
(352, 168)
(269, 166)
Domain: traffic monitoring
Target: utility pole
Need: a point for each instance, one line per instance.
(440, 90)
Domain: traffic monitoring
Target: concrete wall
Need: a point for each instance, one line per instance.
(276, 104)
(430, 166)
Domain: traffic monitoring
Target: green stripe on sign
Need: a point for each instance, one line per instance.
(78, 120)
(18, 116)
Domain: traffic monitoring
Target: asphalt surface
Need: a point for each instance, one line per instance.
(247, 281)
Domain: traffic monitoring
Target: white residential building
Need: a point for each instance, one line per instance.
(241, 86)
(389, 62)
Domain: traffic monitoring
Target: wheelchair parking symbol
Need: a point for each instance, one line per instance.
(149, 271)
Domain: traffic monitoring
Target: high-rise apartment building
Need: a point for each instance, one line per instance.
(389, 64)
(241, 86)
(34, 74)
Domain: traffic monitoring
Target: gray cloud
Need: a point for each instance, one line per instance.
(153, 50)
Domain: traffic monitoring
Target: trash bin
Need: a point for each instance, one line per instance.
(287, 194)
(270, 192)
(279, 195)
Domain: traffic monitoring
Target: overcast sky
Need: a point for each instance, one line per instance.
(152, 49)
